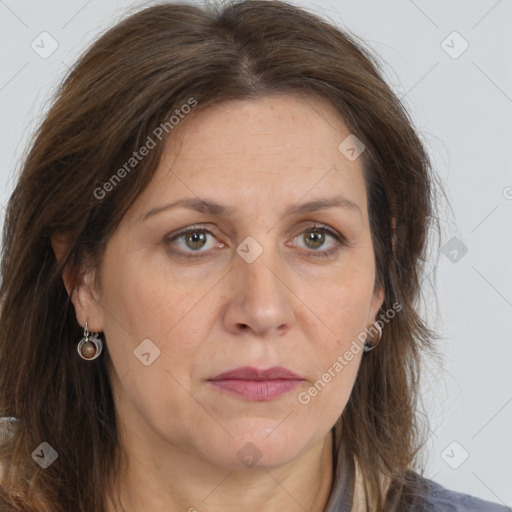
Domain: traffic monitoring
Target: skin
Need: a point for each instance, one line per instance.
(290, 307)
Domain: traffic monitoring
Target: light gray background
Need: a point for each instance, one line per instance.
(463, 108)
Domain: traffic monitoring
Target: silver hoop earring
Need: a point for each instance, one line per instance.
(90, 346)
(367, 347)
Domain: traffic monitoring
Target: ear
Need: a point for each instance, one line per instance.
(377, 301)
(84, 296)
(378, 294)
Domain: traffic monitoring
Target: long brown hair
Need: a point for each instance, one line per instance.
(129, 82)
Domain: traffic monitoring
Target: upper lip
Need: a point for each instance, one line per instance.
(251, 373)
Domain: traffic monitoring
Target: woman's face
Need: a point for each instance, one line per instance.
(254, 283)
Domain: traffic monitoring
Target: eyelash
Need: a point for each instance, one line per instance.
(340, 241)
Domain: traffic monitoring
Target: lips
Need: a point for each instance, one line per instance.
(255, 384)
(251, 373)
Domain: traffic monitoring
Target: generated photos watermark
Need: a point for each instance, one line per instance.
(158, 133)
(304, 397)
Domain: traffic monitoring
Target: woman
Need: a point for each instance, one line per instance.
(211, 262)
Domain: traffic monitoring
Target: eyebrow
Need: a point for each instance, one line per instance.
(211, 207)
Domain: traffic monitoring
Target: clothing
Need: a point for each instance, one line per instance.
(435, 498)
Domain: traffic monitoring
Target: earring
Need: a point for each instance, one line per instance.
(369, 346)
(90, 346)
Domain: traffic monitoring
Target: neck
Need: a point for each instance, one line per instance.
(174, 479)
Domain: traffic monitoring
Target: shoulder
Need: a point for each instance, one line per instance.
(436, 497)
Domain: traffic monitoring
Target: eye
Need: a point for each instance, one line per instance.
(315, 238)
(192, 240)
(197, 241)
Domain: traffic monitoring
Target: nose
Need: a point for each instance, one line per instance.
(260, 299)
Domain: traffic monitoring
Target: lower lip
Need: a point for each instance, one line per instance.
(258, 390)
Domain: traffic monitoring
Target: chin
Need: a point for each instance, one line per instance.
(261, 450)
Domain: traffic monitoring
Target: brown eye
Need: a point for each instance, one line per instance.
(320, 241)
(191, 241)
(195, 239)
(314, 238)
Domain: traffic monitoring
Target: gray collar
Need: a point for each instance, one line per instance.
(343, 479)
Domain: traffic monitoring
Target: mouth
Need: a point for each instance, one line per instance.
(257, 384)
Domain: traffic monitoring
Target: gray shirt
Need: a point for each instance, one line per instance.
(435, 498)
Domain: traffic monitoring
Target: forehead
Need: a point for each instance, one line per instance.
(243, 149)
(279, 127)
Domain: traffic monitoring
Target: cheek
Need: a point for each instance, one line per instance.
(336, 308)
(146, 299)
(324, 400)
(142, 306)
(336, 313)
(146, 302)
